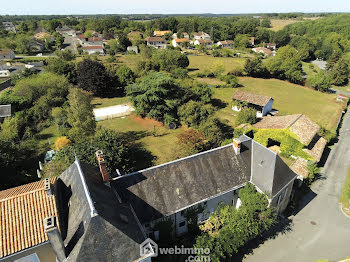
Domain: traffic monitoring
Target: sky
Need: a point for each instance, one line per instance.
(62, 7)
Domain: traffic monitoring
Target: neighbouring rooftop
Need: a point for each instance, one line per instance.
(23, 210)
(250, 98)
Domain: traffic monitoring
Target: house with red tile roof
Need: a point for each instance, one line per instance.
(22, 215)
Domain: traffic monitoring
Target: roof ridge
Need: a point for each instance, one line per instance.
(21, 194)
(300, 115)
(175, 161)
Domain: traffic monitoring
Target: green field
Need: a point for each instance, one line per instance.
(288, 99)
(201, 63)
(162, 146)
(99, 102)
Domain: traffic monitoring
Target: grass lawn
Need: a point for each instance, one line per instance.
(345, 195)
(161, 146)
(210, 81)
(46, 139)
(288, 99)
(204, 62)
(278, 24)
(99, 102)
(129, 60)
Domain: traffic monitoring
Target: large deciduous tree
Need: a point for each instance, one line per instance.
(92, 76)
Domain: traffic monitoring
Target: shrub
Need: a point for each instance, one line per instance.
(193, 141)
(62, 142)
(195, 113)
(237, 72)
(246, 115)
(179, 73)
(231, 80)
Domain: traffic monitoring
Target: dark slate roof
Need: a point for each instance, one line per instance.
(162, 190)
(269, 172)
(94, 225)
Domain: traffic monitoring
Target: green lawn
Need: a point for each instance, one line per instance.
(288, 99)
(99, 102)
(162, 146)
(345, 195)
(204, 62)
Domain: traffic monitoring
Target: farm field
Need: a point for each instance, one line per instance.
(201, 63)
(278, 24)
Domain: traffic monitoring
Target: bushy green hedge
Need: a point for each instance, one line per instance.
(289, 143)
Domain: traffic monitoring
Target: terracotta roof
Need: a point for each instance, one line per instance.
(155, 39)
(161, 33)
(23, 210)
(251, 98)
(5, 51)
(95, 39)
(91, 47)
(81, 36)
(204, 41)
(317, 150)
(227, 42)
(200, 34)
(181, 40)
(299, 166)
(302, 126)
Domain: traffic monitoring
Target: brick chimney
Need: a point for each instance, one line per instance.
(102, 165)
(237, 146)
(50, 226)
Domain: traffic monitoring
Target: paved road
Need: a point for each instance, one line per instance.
(329, 238)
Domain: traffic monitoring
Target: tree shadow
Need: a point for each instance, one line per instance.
(218, 103)
(283, 226)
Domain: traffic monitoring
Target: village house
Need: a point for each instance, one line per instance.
(7, 54)
(65, 30)
(185, 35)
(94, 41)
(36, 46)
(4, 73)
(167, 191)
(225, 44)
(263, 104)
(178, 42)
(8, 26)
(201, 36)
(86, 215)
(133, 49)
(207, 43)
(94, 49)
(263, 50)
(305, 130)
(161, 33)
(156, 42)
(81, 39)
(271, 46)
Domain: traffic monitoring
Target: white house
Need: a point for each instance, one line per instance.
(8, 26)
(94, 41)
(5, 73)
(156, 42)
(201, 35)
(263, 104)
(225, 44)
(7, 54)
(265, 51)
(133, 48)
(207, 43)
(94, 49)
(185, 35)
(271, 46)
(180, 42)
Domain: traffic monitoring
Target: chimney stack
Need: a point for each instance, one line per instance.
(47, 187)
(237, 146)
(50, 226)
(102, 165)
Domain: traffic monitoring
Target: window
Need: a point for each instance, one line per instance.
(235, 192)
(205, 203)
(182, 212)
(183, 223)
